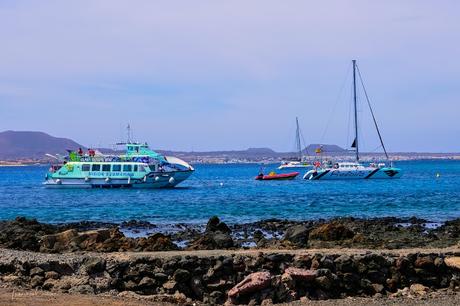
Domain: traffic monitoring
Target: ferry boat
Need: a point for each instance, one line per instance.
(329, 170)
(300, 162)
(139, 167)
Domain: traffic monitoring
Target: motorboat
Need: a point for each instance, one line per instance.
(274, 176)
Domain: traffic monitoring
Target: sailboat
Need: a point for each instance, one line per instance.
(300, 162)
(329, 170)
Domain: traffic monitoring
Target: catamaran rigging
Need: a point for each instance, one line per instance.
(347, 170)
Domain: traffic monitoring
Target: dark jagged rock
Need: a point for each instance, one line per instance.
(93, 265)
(137, 224)
(298, 235)
(216, 236)
(214, 225)
(23, 234)
(211, 241)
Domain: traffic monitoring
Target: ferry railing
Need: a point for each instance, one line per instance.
(111, 158)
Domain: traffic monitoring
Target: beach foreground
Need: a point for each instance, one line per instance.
(233, 276)
(14, 297)
(383, 260)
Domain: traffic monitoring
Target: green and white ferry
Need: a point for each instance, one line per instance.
(139, 167)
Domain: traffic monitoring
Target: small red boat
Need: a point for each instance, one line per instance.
(274, 176)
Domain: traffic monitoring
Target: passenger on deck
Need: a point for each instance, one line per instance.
(80, 152)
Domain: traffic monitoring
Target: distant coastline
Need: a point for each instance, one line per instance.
(235, 157)
(29, 148)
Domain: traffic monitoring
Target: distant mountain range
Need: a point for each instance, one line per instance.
(19, 145)
(327, 148)
(34, 145)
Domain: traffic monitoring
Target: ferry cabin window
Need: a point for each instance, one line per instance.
(85, 167)
(126, 168)
(141, 168)
(106, 167)
(116, 167)
(96, 167)
(135, 168)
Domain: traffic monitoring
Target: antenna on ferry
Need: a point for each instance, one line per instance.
(128, 130)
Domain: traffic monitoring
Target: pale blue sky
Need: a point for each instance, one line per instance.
(210, 75)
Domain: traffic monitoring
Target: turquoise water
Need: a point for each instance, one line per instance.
(231, 192)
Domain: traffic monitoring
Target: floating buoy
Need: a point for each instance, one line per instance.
(221, 184)
(171, 180)
(438, 175)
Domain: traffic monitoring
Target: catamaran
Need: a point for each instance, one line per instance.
(300, 162)
(329, 170)
(139, 167)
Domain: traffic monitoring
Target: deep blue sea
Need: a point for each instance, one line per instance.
(231, 192)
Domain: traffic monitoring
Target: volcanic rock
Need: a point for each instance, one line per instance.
(298, 235)
(23, 234)
(215, 225)
(251, 283)
(216, 236)
(302, 274)
(332, 231)
(453, 262)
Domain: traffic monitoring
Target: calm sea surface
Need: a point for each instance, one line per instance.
(231, 192)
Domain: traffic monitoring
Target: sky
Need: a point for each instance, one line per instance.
(220, 75)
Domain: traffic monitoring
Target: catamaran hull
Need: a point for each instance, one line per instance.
(151, 181)
(294, 167)
(338, 174)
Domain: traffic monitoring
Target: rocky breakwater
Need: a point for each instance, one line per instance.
(242, 277)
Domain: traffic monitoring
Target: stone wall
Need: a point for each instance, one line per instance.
(275, 277)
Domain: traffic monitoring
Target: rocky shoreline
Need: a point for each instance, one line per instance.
(271, 261)
(377, 233)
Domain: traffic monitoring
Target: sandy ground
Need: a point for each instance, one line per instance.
(16, 297)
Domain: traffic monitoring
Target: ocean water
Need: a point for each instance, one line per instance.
(230, 192)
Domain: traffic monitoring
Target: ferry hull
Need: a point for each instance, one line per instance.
(151, 181)
(353, 174)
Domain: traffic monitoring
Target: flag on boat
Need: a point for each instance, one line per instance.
(319, 150)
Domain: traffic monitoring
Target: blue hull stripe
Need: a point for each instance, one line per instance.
(372, 173)
(321, 175)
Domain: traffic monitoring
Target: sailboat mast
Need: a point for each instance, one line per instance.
(356, 111)
(297, 135)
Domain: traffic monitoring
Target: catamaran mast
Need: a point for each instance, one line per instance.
(355, 142)
(297, 135)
